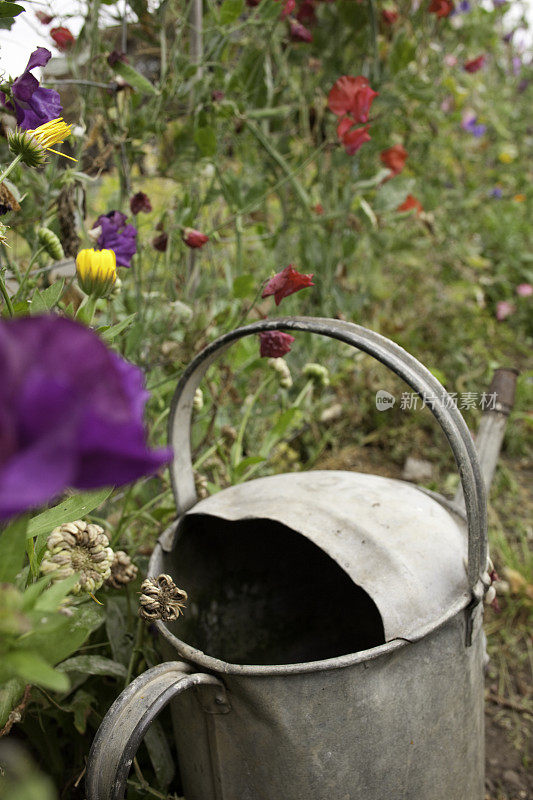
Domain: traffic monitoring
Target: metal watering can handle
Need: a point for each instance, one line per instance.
(393, 356)
(126, 722)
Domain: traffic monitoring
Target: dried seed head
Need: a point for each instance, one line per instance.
(280, 366)
(161, 599)
(79, 547)
(123, 570)
(317, 373)
(200, 483)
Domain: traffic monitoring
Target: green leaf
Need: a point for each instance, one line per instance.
(12, 549)
(8, 9)
(117, 630)
(52, 597)
(244, 286)
(160, 755)
(110, 332)
(30, 667)
(230, 11)
(93, 665)
(403, 52)
(67, 511)
(206, 140)
(393, 193)
(46, 300)
(134, 78)
(10, 694)
(243, 465)
(69, 635)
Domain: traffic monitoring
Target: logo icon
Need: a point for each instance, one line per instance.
(384, 400)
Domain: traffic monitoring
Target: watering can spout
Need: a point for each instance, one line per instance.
(499, 404)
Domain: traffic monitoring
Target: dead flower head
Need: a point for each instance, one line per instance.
(161, 599)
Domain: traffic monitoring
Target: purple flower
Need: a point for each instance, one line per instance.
(496, 192)
(498, 3)
(517, 65)
(70, 414)
(33, 104)
(117, 236)
(471, 125)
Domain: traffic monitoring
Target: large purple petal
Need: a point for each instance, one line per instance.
(38, 58)
(24, 86)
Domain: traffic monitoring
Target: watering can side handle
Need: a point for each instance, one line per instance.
(126, 722)
(420, 379)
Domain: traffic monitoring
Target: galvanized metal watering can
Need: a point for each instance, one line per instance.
(333, 646)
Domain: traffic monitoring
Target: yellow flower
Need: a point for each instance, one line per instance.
(519, 198)
(53, 132)
(97, 271)
(31, 146)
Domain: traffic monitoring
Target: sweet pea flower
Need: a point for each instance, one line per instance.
(389, 15)
(450, 60)
(442, 8)
(394, 158)
(194, 238)
(411, 203)
(285, 283)
(475, 64)
(140, 202)
(298, 32)
(71, 414)
(504, 309)
(32, 104)
(274, 344)
(524, 290)
(352, 139)
(351, 97)
(63, 38)
(471, 125)
(496, 192)
(306, 12)
(114, 234)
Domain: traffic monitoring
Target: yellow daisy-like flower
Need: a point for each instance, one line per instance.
(31, 145)
(51, 133)
(97, 271)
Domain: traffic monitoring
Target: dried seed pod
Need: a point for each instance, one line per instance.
(200, 483)
(123, 570)
(161, 599)
(79, 547)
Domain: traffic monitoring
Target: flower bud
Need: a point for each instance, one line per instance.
(97, 271)
(78, 547)
(51, 243)
(317, 373)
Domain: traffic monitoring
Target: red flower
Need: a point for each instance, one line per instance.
(45, 19)
(318, 209)
(394, 158)
(298, 32)
(306, 12)
(63, 38)
(389, 16)
(140, 202)
(351, 96)
(160, 242)
(352, 139)
(442, 8)
(285, 283)
(409, 203)
(274, 344)
(475, 64)
(194, 238)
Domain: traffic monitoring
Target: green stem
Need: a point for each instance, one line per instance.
(374, 38)
(9, 304)
(33, 259)
(11, 167)
(280, 161)
(136, 649)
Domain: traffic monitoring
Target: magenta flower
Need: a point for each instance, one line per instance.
(504, 309)
(71, 414)
(274, 344)
(114, 234)
(524, 290)
(32, 104)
